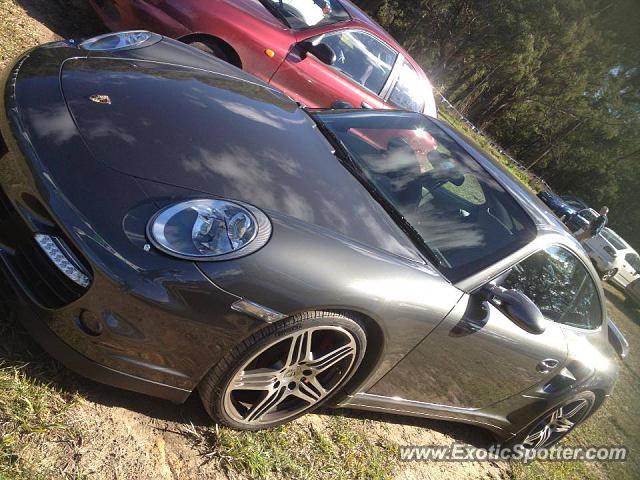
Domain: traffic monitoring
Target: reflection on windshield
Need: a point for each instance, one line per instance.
(301, 14)
(464, 216)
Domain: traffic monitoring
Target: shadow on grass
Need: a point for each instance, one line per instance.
(67, 18)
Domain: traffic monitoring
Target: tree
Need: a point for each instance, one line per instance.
(556, 81)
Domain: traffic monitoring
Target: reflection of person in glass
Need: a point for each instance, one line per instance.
(594, 227)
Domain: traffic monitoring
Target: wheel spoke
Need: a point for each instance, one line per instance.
(300, 348)
(571, 413)
(267, 404)
(333, 357)
(258, 379)
(556, 415)
(546, 434)
(539, 438)
(563, 425)
(315, 383)
(306, 393)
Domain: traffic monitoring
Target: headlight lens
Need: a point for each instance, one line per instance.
(120, 41)
(209, 229)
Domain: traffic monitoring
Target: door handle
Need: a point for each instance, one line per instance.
(546, 365)
(365, 105)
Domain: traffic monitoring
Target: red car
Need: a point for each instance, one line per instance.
(317, 51)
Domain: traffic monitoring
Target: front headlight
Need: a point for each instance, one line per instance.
(209, 229)
(121, 41)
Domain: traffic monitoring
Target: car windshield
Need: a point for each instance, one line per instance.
(302, 14)
(462, 214)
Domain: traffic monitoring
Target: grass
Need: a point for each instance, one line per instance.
(299, 450)
(34, 412)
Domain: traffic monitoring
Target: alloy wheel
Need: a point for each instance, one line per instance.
(291, 374)
(557, 424)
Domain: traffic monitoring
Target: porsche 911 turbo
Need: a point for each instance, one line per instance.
(169, 223)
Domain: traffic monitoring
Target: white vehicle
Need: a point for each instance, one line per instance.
(613, 257)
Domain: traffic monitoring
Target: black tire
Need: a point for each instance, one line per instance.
(587, 396)
(214, 385)
(211, 49)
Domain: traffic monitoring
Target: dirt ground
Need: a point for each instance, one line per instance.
(125, 435)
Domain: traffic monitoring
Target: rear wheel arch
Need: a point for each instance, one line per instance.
(215, 43)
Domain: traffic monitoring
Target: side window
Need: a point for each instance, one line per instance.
(634, 260)
(361, 57)
(409, 90)
(559, 284)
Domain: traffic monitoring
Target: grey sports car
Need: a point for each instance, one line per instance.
(170, 223)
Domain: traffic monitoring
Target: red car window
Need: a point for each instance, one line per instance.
(361, 57)
(409, 90)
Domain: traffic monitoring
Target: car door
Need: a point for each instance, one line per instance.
(600, 250)
(630, 267)
(360, 73)
(477, 356)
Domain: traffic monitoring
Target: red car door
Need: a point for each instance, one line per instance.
(359, 74)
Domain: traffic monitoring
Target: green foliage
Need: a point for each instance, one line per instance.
(33, 411)
(556, 82)
(341, 451)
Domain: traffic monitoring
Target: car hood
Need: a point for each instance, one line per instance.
(221, 135)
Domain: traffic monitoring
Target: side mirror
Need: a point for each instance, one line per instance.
(340, 105)
(517, 307)
(321, 51)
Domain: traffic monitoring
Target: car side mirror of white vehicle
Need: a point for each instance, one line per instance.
(517, 307)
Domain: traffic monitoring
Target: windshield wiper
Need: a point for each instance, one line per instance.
(345, 157)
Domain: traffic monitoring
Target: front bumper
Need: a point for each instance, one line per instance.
(162, 324)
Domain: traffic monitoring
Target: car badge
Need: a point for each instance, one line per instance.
(102, 99)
